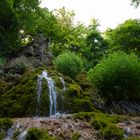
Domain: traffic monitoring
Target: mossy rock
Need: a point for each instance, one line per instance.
(38, 134)
(104, 123)
(112, 132)
(5, 124)
(20, 99)
(73, 105)
(74, 90)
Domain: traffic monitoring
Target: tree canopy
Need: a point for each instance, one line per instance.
(16, 15)
(135, 2)
(125, 36)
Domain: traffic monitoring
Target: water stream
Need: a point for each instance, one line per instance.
(63, 84)
(16, 127)
(52, 92)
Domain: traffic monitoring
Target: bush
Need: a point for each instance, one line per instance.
(69, 64)
(117, 76)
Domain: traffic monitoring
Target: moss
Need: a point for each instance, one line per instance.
(5, 124)
(112, 132)
(44, 99)
(104, 123)
(73, 105)
(38, 134)
(21, 97)
(74, 90)
(84, 116)
(75, 136)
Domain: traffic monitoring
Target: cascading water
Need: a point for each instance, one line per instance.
(11, 131)
(16, 127)
(23, 135)
(52, 92)
(62, 95)
(63, 84)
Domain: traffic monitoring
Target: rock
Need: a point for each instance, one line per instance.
(28, 51)
(138, 126)
(34, 55)
(63, 128)
(127, 130)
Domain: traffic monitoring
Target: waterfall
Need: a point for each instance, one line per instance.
(62, 95)
(52, 92)
(11, 131)
(63, 84)
(23, 135)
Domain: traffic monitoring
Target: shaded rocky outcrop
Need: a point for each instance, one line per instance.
(131, 127)
(34, 55)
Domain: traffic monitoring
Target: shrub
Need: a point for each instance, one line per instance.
(69, 64)
(117, 76)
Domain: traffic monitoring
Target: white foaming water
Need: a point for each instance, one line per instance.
(52, 92)
(23, 135)
(11, 131)
(63, 83)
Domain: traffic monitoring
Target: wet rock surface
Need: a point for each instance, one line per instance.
(62, 127)
(131, 126)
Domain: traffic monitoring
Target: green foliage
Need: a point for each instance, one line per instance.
(5, 124)
(104, 123)
(84, 116)
(136, 3)
(20, 99)
(101, 121)
(74, 105)
(74, 90)
(117, 76)
(94, 46)
(38, 134)
(112, 132)
(125, 37)
(69, 64)
(70, 36)
(16, 15)
(2, 60)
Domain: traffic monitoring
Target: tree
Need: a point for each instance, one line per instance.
(69, 64)
(70, 35)
(135, 2)
(125, 36)
(96, 46)
(16, 15)
(117, 76)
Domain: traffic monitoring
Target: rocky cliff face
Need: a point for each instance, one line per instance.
(36, 54)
